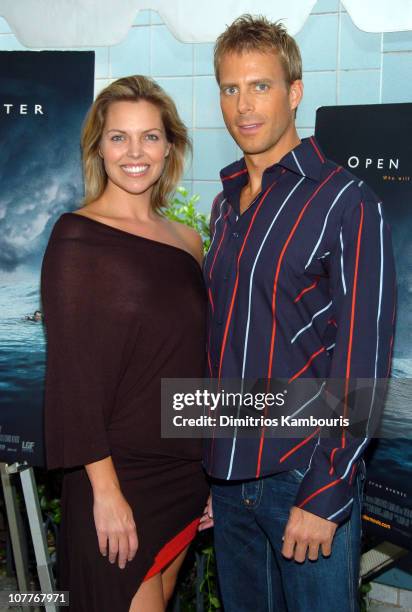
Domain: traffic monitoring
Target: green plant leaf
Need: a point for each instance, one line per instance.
(184, 210)
(182, 190)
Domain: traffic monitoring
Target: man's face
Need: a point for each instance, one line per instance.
(258, 105)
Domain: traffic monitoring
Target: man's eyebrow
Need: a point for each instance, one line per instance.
(261, 80)
(251, 82)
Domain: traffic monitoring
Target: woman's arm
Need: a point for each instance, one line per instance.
(113, 516)
(88, 340)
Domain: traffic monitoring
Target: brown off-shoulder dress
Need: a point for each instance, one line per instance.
(121, 312)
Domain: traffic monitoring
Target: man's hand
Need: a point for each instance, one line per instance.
(207, 517)
(304, 533)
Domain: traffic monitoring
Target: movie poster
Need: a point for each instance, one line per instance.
(44, 98)
(374, 143)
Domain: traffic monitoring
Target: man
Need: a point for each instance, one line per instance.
(300, 280)
(36, 316)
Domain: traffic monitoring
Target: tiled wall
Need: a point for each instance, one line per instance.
(342, 65)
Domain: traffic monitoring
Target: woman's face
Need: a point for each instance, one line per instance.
(134, 145)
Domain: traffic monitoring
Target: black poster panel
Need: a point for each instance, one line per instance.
(44, 98)
(374, 143)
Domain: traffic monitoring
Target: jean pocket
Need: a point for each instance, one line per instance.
(292, 477)
(228, 492)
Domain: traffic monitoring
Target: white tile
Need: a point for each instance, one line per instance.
(318, 42)
(203, 54)
(397, 41)
(100, 84)
(180, 90)
(132, 55)
(101, 62)
(170, 57)
(8, 42)
(319, 90)
(305, 132)
(207, 190)
(326, 6)
(4, 26)
(213, 150)
(142, 18)
(155, 18)
(358, 49)
(207, 103)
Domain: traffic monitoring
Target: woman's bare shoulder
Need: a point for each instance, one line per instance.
(190, 237)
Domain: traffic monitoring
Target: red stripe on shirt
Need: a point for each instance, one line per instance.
(222, 352)
(274, 294)
(307, 364)
(211, 300)
(332, 455)
(322, 159)
(234, 175)
(352, 322)
(285, 246)
(298, 446)
(315, 493)
(210, 331)
(302, 293)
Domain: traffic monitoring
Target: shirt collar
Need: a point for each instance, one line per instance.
(306, 159)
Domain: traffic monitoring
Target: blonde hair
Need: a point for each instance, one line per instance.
(249, 33)
(133, 88)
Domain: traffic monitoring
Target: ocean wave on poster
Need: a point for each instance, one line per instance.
(90, 23)
(22, 342)
(27, 214)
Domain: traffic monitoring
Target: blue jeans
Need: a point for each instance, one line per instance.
(250, 518)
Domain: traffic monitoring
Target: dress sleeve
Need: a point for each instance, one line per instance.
(83, 353)
(363, 289)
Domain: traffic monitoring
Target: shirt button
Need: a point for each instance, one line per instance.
(235, 235)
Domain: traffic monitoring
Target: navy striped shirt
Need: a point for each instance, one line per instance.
(302, 284)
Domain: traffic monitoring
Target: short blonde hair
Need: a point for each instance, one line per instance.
(249, 33)
(133, 88)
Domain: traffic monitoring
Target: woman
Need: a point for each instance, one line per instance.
(124, 307)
